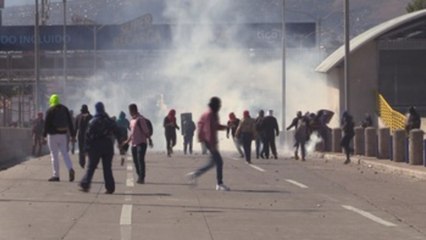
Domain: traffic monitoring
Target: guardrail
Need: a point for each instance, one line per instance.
(392, 119)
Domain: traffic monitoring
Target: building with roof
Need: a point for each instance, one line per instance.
(389, 59)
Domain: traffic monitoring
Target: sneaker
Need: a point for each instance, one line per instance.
(222, 187)
(72, 175)
(347, 161)
(53, 179)
(192, 178)
(122, 161)
(109, 192)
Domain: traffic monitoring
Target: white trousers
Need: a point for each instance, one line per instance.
(58, 143)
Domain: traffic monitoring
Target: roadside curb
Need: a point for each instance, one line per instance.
(383, 165)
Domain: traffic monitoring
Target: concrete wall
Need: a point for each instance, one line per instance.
(363, 85)
(15, 145)
(363, 82)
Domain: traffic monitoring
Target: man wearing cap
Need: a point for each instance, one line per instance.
(57, 123)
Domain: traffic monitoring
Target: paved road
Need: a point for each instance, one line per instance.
(272, 199)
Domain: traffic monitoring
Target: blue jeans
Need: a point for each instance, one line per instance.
(138, 154)
(215, 159)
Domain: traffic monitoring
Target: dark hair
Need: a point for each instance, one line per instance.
(214, 104)
(133, 108)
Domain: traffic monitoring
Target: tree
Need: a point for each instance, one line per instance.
(416, 5)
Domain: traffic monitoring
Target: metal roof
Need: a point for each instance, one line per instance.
(338, 56)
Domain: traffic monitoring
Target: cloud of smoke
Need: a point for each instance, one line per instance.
(205, 62)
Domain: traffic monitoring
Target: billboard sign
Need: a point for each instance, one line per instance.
(142, 35)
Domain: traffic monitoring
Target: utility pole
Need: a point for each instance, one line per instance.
(37, 58)
(283, 42)
(347, 53)
(64, 36)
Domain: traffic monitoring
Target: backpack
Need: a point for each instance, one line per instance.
(150, 128)
(60, 118)
(149, 125)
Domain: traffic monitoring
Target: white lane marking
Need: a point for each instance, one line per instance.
(369, 216)
(257, 168)
(301, 185)
(126, 215)
(129, 180)
(251, 165)
(128, 196)
(126, 232)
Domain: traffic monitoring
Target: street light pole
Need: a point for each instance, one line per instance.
(283, 36)
(36, 59)
(64, 36)
(347, 52)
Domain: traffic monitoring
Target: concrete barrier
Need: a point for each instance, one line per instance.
(416, 147)
(370, 142)
(15, 146)
(359, 141)
(398, 145)
(384, 139)
(336, 134)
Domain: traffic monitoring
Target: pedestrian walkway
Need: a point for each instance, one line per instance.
(384, 165)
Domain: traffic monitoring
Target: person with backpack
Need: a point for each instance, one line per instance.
(246, 131)
(81, 122)
(99, 143)
(138, 139)
(57, 124)
(301, 136)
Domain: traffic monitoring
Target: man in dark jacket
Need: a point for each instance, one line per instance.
(347, 125)
(57, 125)
(99, 143)
(188, 135)
(81, 122)
(170, 127)
(413, 120)
(37, 134)
(271, 130)
(260, 136)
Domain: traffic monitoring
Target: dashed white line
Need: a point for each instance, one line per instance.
(130, 182)
(301, 185)
(126, 215)
(126, 211)
(257, 168)
(369, 216)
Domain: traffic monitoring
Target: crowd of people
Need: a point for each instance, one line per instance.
(96, 135)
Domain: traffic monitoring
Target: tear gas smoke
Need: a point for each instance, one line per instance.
(205, 63)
